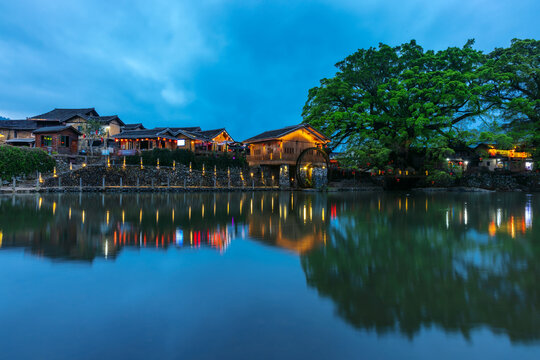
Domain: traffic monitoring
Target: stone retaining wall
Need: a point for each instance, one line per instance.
(132, 176)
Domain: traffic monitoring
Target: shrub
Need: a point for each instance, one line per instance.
(441, 178)
(15, 161)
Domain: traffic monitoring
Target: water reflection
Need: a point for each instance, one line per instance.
(389, 262)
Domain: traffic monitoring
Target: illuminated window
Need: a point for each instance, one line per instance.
(181, 142)
(46, 140)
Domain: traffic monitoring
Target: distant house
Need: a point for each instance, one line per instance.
(63, 139)
(130, 127)
(514, 160)
(15, 129)
(137, 140)
(79, 118)
(220, 139)
(283, 146)
(188, 138)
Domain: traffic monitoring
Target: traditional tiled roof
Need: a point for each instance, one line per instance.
(147, 133)
(106, 119)
(18, 124)
(190, 129)
(190, 132)
(55, 129)
(21, 140)
(127, 127)
(65, 114)
(275, 134)
(212, 133)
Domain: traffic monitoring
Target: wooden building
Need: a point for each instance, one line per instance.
(63, 139)
(79, 119)
(187, 138)
(16, 129)
(494, 159)
(283, 146)
(220, 139)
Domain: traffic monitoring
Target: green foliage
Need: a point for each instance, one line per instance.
(441, 178)
(400, 98)
(516, 71)
(410, 101)
(15, 161)
(185, 157)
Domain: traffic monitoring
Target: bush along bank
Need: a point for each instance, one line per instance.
(17, 162)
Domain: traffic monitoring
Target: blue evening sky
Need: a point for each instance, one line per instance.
(244, 65)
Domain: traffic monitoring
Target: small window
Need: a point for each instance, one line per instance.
(46, 140)
(64, 141)
(181, 142)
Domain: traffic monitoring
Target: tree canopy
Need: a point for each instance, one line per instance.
(387, 104)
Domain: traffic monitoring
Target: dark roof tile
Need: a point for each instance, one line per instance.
(54, 129)
(66, 114)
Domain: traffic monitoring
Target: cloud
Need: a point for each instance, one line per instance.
(245, 65)
(176, 96)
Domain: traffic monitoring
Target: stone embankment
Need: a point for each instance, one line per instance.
(131, 176)
(502, 182)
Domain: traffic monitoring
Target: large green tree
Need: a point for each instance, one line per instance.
(401, 101)
(516, 73)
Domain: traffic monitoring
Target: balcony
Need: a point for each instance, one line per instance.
(281, 159)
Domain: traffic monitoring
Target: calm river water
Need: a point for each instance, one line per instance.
(270, 276)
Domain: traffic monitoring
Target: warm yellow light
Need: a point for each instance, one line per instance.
(1, 237)
(107, 217)
(54, 208)
(83, 215)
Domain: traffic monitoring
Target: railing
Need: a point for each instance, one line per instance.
(275, 157)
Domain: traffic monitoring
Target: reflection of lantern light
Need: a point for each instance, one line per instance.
(69, 214)
(492, 229)
(83, 213)
(107, 217)
(528, 215)
(54, 208)
(512, 227)
(499, 217)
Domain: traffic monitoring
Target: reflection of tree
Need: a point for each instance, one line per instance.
(391, 270)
